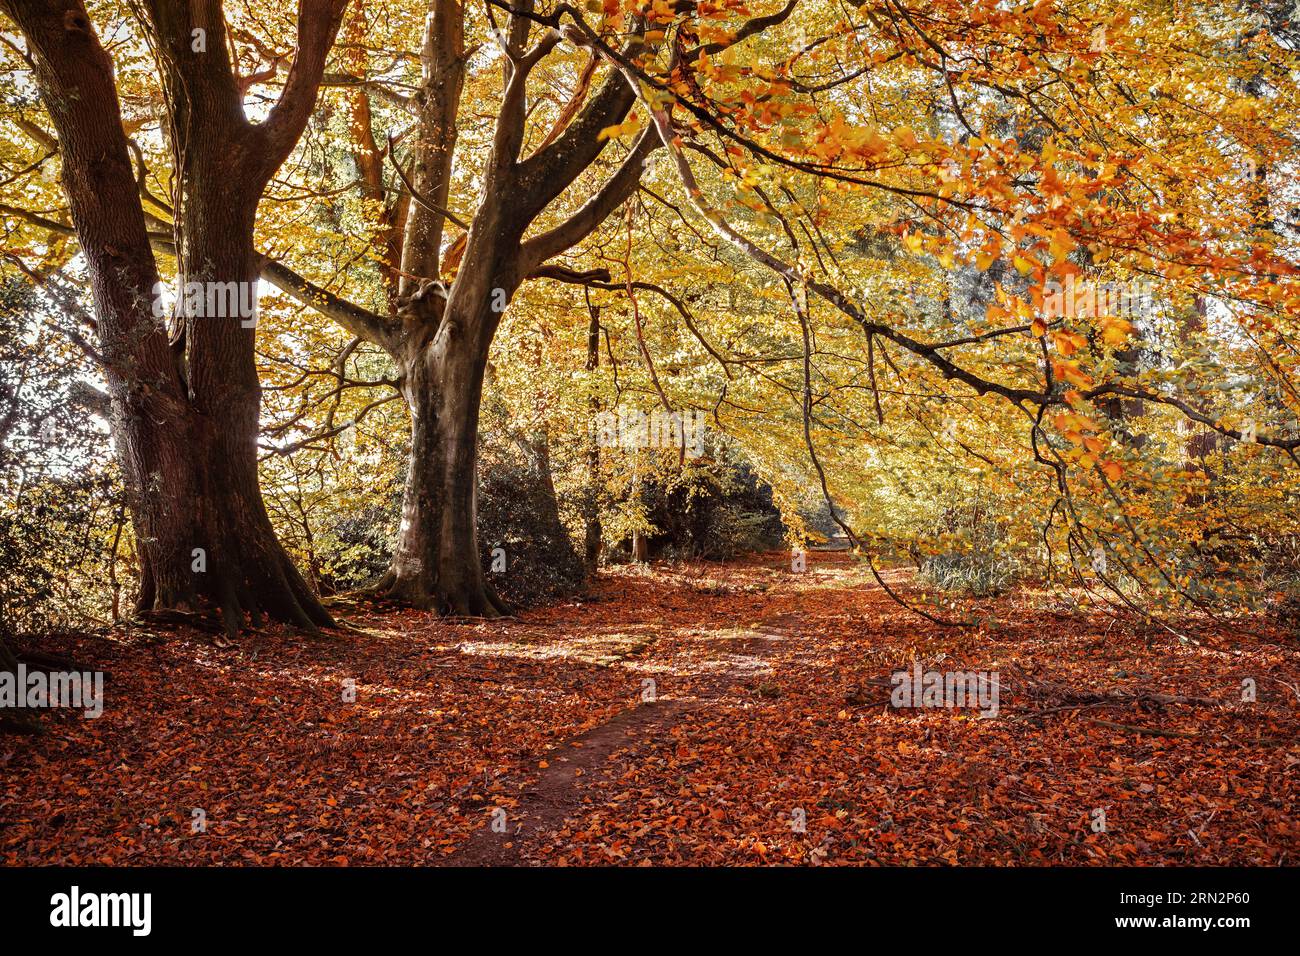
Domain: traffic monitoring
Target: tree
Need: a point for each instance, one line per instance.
(1071, 194)
(449, 302)
(184, 405)
(855, 221)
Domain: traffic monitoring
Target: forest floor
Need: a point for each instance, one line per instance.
(767, 736)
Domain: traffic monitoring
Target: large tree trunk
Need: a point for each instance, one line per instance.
(203, 531)
(449, 302)
(436, 563)
(185, 413)
(193, 474)
(246, 570)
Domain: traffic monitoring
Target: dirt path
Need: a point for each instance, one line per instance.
(557, 793)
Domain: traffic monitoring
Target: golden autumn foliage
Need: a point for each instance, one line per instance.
(982, 315)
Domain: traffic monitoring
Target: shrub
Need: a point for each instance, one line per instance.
(973, 557)
(518, 513)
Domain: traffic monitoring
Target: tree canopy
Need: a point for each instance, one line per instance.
(953, 274)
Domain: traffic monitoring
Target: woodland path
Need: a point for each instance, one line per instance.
(770, 739)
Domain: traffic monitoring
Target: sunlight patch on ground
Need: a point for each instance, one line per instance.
(602, 649)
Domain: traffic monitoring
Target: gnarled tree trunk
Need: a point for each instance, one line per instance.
(185, 412)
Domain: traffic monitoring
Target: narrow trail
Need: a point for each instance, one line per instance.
(557, 793)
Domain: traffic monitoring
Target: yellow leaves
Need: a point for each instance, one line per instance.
(1061, 244)
(905, 138)
(1089, 441)
(1245, 108)
(626, 128)
(839, 138)
(1024, 265)
(747, 176)
(1038, 327)
(1072, 421)
(936, 246)
(873, 141)
(1115, 331)
(989, 253)
(866, 139)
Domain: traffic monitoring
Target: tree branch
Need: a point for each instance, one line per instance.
(597, 209)
(361, 322)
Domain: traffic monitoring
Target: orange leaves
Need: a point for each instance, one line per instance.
(1112, 470)
(1094, 445)
(1084, 434)
(452, 740)
(1067, 371)
(1073, 422)
(1115, 331)
(1050, 183)
(1067, 343)
(839, 139)
(905, 138)
(1088, 439)
(1061, 244)
(659, 11)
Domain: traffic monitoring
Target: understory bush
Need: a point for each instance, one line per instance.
(972, 557)
(713, 509)
(527, 552)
